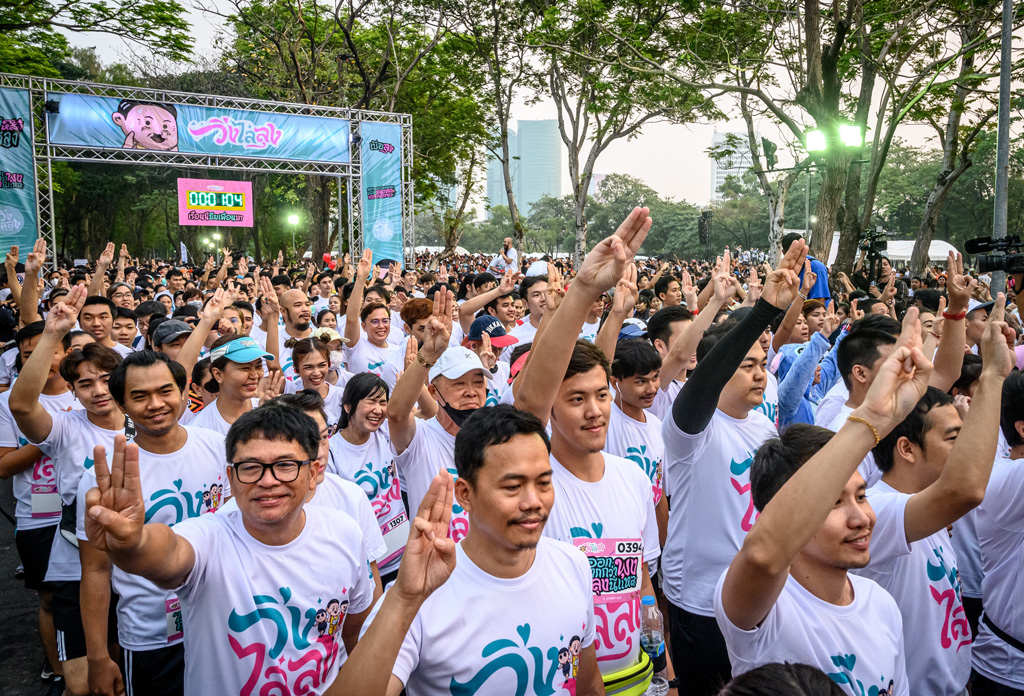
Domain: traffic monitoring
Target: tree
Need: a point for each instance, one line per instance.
(157, 24)
(599, 101)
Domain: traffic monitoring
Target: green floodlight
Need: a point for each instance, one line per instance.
(851, 135)
(293, 219)
(814, 140)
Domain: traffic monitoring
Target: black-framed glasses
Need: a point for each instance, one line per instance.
(285, 471)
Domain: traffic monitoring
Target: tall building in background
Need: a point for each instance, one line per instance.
(735, 164)
(536, 167)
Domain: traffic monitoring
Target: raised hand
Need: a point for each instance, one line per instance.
(35, 259)
(555, 290)
(831, 322)
(890, 289)
(269, 306)
(365, 265)
(997, 353)
(64, 315)
(124, 253)
(411, 346)
(271, 386)
(486, 353)
(689, 290)
(215, 307)
(855, 313)
(900, 382)
(782, 285)
(12, 259)
(626, 293)
(429, 556)
(115, 511)
(107, 257)
(604, 265)
(508, 282)
(439, 327)
(959, 285)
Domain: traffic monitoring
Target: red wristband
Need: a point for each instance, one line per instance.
(954, 317)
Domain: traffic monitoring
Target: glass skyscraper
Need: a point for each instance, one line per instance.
(536, 172)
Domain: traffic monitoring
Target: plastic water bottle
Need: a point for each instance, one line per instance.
(652, 640)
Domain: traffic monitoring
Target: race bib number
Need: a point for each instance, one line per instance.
(615, 565)
(396, 533)
(175, 628)
(46, 501)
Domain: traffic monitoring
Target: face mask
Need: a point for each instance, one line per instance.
(197, 304)
(337, 359)
(458, 415)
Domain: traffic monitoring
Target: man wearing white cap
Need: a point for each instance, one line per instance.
(977, 318)
(457, 380)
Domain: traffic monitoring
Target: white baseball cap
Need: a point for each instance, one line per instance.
(454, 363)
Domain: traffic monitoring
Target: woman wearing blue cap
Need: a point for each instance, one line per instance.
(235, 370)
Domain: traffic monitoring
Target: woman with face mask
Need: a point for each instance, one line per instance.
(361, 452)
(312, 360)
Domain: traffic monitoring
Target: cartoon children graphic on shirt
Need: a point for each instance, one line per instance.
(207, 502)
(574, 648)
(147, 125)
(333, 616)
(321, 621)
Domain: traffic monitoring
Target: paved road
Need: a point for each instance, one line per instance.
(21, 656)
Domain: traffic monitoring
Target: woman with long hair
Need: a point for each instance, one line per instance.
(362, 452)
(312, 360)
(236, 367)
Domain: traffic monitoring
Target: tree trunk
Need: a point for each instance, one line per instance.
(830, 198)
(318, 203)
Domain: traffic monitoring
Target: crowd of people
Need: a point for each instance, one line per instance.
(369, 479)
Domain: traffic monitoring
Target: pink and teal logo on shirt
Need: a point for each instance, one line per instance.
(955, 627)
(846, 664)
(651, 467)
(740, 470)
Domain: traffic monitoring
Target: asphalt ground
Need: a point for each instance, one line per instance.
(21, 654)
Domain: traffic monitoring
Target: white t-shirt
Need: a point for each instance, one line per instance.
(70, 444)
(663, 400)
(617, 508)
(7, 369)
(589, 331)
(497, 383)
(770, 400)
(867, 468)
(371, 465)
(926, 587)
(395, 364)
(1000, 525)
(860, 646)
(175, 487)
(641, 444)
(525, 332)
(708, 478)
(831, 404)
(211, 419)
(264, 619)
(38, 502)
(499, 265)
(466, 639)
(332, 402)
(366, 357)
(124, 350)
(968, 554)
(432, 449)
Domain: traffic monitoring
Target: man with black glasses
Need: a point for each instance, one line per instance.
(269, 591)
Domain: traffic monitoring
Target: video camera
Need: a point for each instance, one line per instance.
(995, 254)
(874, 242)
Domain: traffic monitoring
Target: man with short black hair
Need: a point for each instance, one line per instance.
(274, 557)
(175, 280)
(505, 487)
(143, 313)
(177, 469)
(668, 290)
(97, 318)
(124, 330)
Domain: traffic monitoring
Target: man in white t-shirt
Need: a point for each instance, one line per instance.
(97, 319)
(295, 308)
(243, 576)
(787, 596)
(998, 651)
(68, 438)
(455, 379)
(182, 476)
(506, 260)
(464, 634)
(934, 470)
(711, 433)
(414, 314)
(534, 291)
(603, 503)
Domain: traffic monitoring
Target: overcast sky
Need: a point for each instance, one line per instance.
(670, 158)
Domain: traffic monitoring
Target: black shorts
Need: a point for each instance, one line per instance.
(67, 619)
(159, 672)
(34, 549)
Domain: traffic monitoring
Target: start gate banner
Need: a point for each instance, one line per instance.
(84, 120)
(17, 172)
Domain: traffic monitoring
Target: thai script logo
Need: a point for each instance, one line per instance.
(247, 134)
(12, 180)
(516, 663)
(383, 230)
(955, 627)
(211, 216)
(740, 469)
(10, 132)
(378, 146)
(845, 663)
(378, 192)
(11, 220)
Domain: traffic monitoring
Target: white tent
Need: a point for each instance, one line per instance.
(438, 249)
(900, 251)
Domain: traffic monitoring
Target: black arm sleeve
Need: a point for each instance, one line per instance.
(698, 399)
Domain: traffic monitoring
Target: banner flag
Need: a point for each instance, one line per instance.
(17, 172)
(381, 153)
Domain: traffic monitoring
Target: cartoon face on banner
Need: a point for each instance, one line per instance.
(147, 125)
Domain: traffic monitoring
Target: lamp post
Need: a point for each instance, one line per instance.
(293, 220)
(817, 141)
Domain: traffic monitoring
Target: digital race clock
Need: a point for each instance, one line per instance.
(215, 203)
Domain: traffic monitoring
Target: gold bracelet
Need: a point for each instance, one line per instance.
(420, 359)
(858, 419)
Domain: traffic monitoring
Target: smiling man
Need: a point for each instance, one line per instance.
(244, 574)
(68, 438)
(505, 487)
(295, 308)
(177, 466)
(97, 319)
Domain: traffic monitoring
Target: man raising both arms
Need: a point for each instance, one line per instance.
(787, 595)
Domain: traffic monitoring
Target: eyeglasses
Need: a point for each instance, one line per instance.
(379, 322)
(284, 471)
(122, 295)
